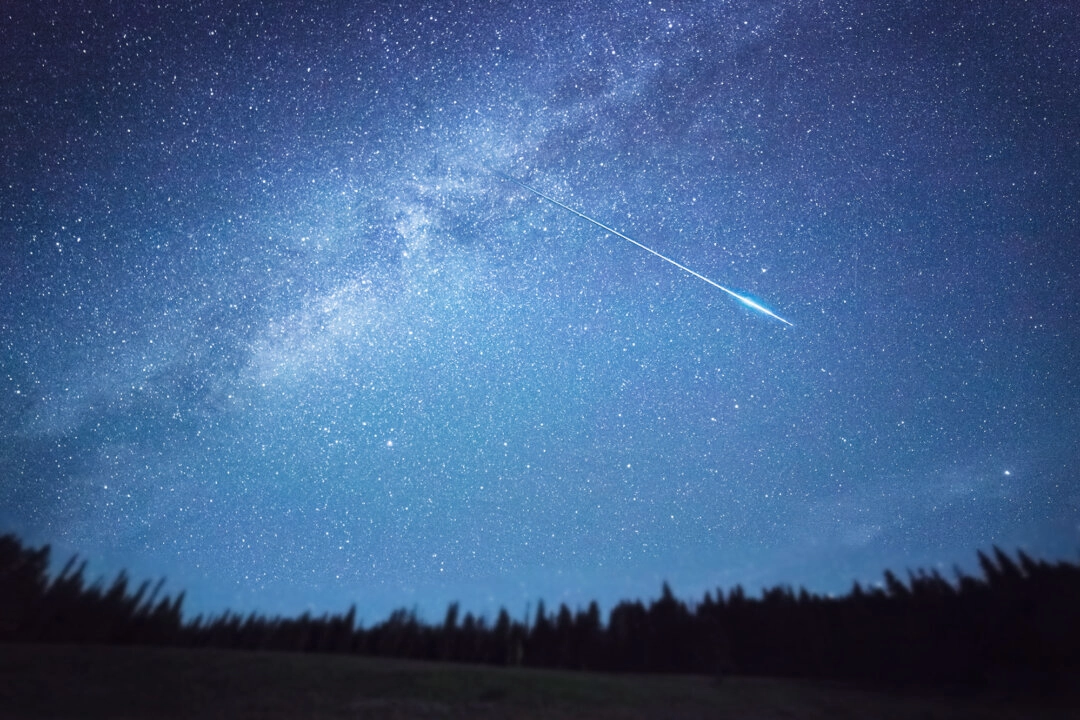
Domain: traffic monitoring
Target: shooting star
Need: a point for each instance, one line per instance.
(744, 300)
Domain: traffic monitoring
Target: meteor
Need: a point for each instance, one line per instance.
(744, 300)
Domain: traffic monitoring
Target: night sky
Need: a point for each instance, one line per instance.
(274, 326)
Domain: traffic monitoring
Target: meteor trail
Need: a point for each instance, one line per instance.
(744, 300)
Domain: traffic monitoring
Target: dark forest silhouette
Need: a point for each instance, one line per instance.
(1018, 625)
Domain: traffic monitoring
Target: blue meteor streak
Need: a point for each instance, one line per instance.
(744, 300)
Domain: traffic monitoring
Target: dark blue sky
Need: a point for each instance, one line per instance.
(273, 328)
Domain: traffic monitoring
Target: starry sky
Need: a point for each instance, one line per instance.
(274, 326)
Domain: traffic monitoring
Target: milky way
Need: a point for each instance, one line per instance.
(272, 330)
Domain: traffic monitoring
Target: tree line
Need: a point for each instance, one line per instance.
(1018, 624)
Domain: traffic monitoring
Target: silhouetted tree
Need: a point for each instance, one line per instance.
(1018, 626)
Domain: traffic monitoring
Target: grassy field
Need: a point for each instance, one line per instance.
(112, 682)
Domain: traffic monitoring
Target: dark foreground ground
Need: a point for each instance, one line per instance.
(38, 681)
